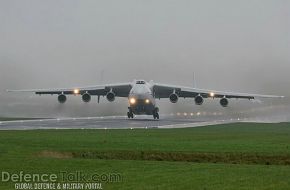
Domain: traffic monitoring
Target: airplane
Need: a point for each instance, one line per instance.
(142, 95)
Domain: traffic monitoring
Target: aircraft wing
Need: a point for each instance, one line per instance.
(164, 91)
(120, 90)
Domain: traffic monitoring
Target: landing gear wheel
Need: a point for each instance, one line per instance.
(130, 115)
(156, 115)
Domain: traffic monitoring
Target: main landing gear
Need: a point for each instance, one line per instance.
(130, 113)
(155, 113)
(156, 116)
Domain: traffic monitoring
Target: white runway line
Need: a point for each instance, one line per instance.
(197, 124)
(113, 122)
(63, 119)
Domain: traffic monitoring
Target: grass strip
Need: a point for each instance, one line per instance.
(197, 157)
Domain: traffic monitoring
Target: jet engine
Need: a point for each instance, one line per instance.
(61, 98)
(86, 97)
(173, 98)
(224, 102)
(110, 96)
(198, 100)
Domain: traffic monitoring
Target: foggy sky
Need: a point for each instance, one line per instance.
(241, 46)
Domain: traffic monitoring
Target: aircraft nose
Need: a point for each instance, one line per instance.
(134, 100)
(139, 96)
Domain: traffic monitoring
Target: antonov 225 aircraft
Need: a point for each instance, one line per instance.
(141, 95)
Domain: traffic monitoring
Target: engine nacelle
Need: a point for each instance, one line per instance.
(173, 98)
(198, 100)
(224, 102)
(110, 96)
(86, 97)
(61, 98)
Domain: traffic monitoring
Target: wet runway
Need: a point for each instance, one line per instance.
(112, 122)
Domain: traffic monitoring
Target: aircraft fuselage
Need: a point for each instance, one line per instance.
(141, 99)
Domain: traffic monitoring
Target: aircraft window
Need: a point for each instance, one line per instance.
(140, 82)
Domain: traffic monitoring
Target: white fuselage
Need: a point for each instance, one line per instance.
(141, 99)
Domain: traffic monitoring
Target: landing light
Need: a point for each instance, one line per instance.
(76, 91)
(132, 100)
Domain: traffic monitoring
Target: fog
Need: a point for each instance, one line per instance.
(238, 46)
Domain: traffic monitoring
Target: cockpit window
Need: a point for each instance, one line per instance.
(140, 82)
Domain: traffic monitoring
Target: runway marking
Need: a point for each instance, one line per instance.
(199, 124)
(111, 122)
(62, 119)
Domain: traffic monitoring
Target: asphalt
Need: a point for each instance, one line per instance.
(112, 122)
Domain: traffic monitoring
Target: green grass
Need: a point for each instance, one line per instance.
(23, 151)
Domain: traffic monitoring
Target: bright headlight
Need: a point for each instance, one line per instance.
(147, 101)
(76, 91)
(132, 100)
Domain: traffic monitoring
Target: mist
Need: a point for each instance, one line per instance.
(240, 46)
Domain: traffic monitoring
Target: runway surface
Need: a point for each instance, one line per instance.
(112, 122)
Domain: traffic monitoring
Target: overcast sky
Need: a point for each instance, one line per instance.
(231, 45)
